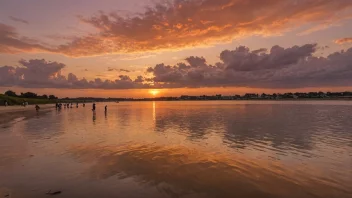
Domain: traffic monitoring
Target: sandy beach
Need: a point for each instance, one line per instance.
(10, 113)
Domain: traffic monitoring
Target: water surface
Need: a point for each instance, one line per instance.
(182, 149)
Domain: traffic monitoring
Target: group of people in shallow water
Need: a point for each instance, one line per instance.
(70, 105)
(67, 105)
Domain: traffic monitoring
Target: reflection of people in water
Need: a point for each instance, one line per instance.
(93, 109)
(94, 116)
(37, 107)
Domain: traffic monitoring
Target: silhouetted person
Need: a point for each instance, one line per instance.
(77, 105)
(71, 105)
(106, 108)
(93, 107)
(84, 104)
(37, 107)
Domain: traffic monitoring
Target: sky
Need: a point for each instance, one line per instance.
(119, 48)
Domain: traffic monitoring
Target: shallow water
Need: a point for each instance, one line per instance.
(181, 149)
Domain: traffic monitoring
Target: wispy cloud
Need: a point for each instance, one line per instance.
(344, 40)
(16, 19)
(124, 70)
(120, 70)
(11, 42)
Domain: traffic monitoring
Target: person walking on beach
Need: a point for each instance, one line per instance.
(106, 108)
(93, 107)
(37, 107)
(84, 104)
(6, 103)
(77, 105)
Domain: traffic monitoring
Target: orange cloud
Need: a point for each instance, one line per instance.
(343, 40)
(190, 23)
(184, 24)
(11, 42)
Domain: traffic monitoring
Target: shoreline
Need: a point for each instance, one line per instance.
(10, 113)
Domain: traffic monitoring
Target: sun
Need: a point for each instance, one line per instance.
(154, 92)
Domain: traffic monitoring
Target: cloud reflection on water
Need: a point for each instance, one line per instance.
(180, 171)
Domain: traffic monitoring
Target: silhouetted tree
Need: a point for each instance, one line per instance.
(52, 97)
(29, 95)
(10, 93)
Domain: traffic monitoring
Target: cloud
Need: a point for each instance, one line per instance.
(178, 24)
(124, 70)
(181, 24)
(18, 20)
(294, 67)
(344, 40)
(110, 69)
(277, 67)
(45, 74)
(11, 42)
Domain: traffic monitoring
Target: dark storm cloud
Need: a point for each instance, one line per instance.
(278, 67)
(16, 19)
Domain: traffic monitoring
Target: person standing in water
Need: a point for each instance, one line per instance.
(93, 107)
(37, 107)
(106, 108)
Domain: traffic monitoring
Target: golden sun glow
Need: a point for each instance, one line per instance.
(154, 92)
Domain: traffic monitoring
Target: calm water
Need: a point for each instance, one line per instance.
(181, 149)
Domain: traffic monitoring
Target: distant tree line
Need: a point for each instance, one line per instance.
(30, 95)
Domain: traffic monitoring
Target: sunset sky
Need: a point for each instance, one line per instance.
(119, 48)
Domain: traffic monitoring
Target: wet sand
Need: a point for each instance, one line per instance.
(11, 113)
